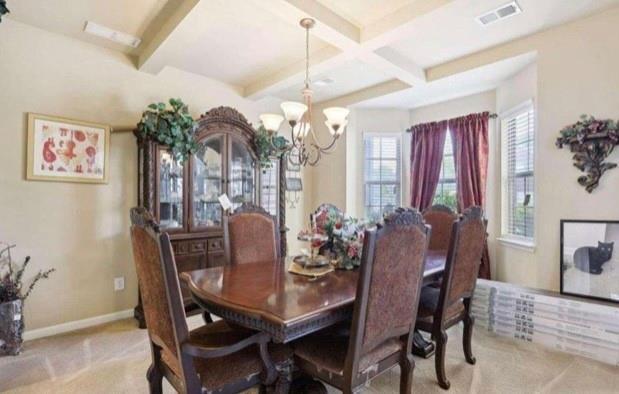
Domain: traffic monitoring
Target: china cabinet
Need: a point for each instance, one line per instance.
(184, 197)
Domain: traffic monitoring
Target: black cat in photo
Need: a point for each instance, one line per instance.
(590, 259)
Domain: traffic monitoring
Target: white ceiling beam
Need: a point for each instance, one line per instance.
(358, 96)
(398, 24)
(400, 66)
(330, 27)
(342, 34)
(322, 60)
(486, 56)
(159, 31)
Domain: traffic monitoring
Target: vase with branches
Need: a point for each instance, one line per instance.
(3, 9)
(13, 292)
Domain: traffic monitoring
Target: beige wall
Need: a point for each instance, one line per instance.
(81, 230)
(576, 74)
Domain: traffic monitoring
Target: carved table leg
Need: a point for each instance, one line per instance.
(421, 347)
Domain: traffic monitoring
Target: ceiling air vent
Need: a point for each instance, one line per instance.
(500, 13)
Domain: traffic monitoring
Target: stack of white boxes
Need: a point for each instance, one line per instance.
(583, 328)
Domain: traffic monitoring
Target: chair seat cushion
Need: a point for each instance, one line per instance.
(328, 348)
(428, 304)
(218, 372)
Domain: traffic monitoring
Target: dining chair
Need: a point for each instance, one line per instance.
(440, 218)
(383, 319)
(214, 358)
(443, 307)
(251, 236)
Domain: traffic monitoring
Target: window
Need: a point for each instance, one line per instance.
(382, 169)
(446, 191)
(517, 173)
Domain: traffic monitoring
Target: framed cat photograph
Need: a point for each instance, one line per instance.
(589, 259)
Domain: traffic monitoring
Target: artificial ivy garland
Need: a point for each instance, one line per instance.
(174, 128)
(265, 149)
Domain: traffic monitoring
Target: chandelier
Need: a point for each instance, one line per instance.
(305, 147)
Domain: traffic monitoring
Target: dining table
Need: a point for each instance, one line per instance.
(266, 297)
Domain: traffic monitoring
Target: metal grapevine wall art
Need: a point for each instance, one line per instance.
(592, 141)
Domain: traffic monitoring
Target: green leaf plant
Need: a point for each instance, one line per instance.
(172, 127)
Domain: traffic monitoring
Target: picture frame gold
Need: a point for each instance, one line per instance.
(67, 150)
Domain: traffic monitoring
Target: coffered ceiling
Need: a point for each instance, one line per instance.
(382, 50)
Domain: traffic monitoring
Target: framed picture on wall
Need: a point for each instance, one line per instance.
(67, 150)
(589, 261)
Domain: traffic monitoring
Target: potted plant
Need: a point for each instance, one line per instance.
(174, 128)
(13, 293)
(3, 9)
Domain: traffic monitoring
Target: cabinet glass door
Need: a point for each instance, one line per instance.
(242, 175)
(208, 182)
(170, 191)
(269, 190)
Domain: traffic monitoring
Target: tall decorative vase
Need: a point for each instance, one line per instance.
(11, 327)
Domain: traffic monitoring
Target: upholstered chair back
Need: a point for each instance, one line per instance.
(464, 257)
(251, 236)
(441, 219)
(390, 278)
(159, 286)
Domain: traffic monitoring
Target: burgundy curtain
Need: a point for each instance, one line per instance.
(469, 135)
(427, 143)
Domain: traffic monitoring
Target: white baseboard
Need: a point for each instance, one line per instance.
(76, 325)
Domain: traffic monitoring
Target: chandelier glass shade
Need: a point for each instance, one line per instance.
(304, 147)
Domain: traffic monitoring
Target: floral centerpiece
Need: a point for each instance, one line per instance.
(348, 243)
(345, 244)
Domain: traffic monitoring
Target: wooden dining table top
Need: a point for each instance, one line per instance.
(266, 296)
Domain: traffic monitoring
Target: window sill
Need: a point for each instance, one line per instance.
(527, 246)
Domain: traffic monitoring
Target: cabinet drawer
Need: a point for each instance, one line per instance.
(180, 247)
(197, 247)
(215, 244)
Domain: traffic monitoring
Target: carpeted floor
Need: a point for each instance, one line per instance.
(113, 358)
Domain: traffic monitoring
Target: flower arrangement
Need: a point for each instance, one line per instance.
(11, 277)
(174, 128)
(345, 236)
(348, 243)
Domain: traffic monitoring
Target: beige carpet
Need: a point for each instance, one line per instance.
(113, 358)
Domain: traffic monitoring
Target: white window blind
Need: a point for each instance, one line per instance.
(518, 177)
(446, 190)
(382, 169)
